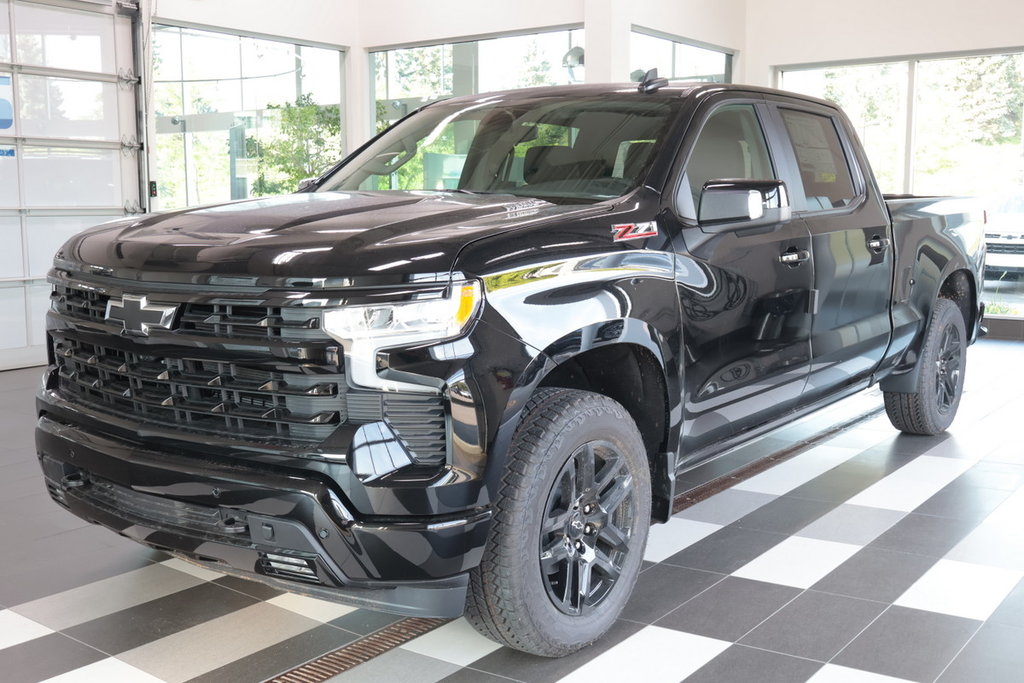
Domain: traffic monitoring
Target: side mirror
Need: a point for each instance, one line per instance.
(743, 203)
(306, 183)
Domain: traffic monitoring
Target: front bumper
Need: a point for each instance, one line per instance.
(262, 523)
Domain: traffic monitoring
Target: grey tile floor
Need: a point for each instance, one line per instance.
(868, 557)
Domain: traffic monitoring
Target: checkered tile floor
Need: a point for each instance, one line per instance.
(869, 557)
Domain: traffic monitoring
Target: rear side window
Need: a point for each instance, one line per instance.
(823, 166)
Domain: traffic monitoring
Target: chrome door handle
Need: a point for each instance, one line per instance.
(794, 257)
(879, 244)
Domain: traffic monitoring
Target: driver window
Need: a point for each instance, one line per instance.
(731, 146)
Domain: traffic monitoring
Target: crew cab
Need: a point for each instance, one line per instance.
(463, 369)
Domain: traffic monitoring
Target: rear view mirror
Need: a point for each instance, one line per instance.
(748, 203)
(306, 183)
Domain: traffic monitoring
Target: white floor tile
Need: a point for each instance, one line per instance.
(456, 642)
(830, 673)
(972, 591)
(15, 629)
(992, 544)
(665, 540)
(192, 569)
(105, 671)
(798, 562)
(651, 655)
(799, 470)
(912, 484)
(321, 610)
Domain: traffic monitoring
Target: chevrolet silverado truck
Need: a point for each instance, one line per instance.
(461, 371)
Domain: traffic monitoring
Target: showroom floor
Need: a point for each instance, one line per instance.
(867, 557)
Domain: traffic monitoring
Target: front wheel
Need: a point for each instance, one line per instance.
(569, 529)
(940, 381)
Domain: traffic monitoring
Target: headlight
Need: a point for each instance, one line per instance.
(409, 322)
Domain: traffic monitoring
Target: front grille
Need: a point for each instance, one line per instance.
(199, 394)
(1001, 248)
(230, 318)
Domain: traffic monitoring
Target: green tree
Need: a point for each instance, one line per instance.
(307, 141)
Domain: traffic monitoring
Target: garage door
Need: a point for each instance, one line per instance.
(68, 152)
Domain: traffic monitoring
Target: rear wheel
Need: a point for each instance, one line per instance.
(940, 382)
(570, 526)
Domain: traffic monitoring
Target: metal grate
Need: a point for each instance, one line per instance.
(1000, 248)
(363, 650)
(234, 319)
(79, 303)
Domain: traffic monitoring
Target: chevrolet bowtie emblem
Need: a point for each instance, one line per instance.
(138, 316)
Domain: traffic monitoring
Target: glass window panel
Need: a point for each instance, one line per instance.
(64, 39)
(204, 97)
(269, 73)
(424, 72)
(65, 108)
(13, 325)
(321, 74)
(167, 99)
(45, 234)
(9, 172)
(11, 264)
(210, 56)
(57, 176)
(699, 64)
(874, 97)
(823, 168)
(6, 104)
(5, 32)
(649, 52)
(166, 53)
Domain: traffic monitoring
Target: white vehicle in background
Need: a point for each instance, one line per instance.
(1004, 237)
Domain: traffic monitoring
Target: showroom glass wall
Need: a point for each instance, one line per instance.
(405, 78)
(238, 116)
(943, 126)
(674, 58)
(68, 153)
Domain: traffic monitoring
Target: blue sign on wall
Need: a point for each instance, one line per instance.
(6, 103)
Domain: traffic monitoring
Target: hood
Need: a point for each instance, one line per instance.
(310, 235)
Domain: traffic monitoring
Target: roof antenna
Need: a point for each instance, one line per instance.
(650, 82)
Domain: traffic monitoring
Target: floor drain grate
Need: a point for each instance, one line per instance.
(363, 650)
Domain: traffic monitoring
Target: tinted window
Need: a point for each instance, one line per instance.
(823, 168)
(731, 146)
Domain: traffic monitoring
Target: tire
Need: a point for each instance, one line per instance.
(940, 382)
(552, 531)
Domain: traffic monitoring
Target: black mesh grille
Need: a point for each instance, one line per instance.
(203, 395)
(248, 320)
(998, 248)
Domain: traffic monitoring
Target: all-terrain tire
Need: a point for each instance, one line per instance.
(940, 382)
(561, 523)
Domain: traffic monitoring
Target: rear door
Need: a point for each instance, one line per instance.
(744, 308)
(852, 253)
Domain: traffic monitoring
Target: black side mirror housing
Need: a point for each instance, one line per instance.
(743, 203)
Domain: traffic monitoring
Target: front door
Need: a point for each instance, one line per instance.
(745, 306)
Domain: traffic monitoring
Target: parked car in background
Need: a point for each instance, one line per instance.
(1004, 237)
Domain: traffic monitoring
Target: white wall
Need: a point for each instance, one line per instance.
(785, 32)
(718, 22)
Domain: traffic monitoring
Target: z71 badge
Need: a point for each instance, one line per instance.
(634, 231)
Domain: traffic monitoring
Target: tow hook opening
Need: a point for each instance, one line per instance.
(73, 480)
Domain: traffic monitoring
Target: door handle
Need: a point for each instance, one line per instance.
(794, 257)
(879, 244)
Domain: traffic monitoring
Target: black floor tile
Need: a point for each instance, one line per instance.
(995, 475)
(925, 535)
(1011, 611)
(469, 675)
(142, 624)
(838, 484)
(729, 609)
(663, 588)
(364, 621)
(523, 667)
(785, 515)
(740, 663)
(815, 625)
(908, 643)
(45, 657)
(994, 655)
(875, 574)
(961, 500)
(726, 550)
(255, 589)
(281, 657)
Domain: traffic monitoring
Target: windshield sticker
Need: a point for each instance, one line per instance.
(634, 231)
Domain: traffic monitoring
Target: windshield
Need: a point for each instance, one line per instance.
(587, 148)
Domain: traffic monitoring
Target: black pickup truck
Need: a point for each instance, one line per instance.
(462, 370)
